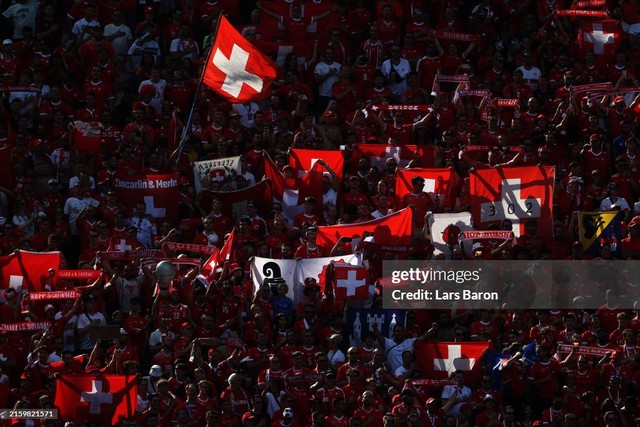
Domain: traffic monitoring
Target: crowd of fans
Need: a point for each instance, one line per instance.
(214, 353)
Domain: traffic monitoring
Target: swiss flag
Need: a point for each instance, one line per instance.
(291, 192)
(234, 203)
(441, 181)
(438, 360)
(517, 194)
(391, 230)
(158, 192)
(235, 69)
(87, 136)
(217, 259)
(101, 399)
(27, 270)
(601, 37)
(302, 161)
(350, 282)
(379, 153)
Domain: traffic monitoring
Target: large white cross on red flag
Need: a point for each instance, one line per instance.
(601, 37)
(438, 360)
(235, 69)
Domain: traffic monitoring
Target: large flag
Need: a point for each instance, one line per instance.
(517, 194)
(234, 203)
(291, 192)
(294, 272)
(350, 282)
(445, 229)
(214, 170)
(603, 38)
(218, 258)
(361, 320)
(443, 182)
(438, 360)
(302, 161)
(235, 69)
(27, 270)
(301, 49)
(101, 399)
(599, 228)
(379, 153)
(159, 193)
(391, 230)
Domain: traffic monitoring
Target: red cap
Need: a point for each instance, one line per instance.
(184, 325)
(148, 90)
(618, 99)
(148, 9)
(430, 400)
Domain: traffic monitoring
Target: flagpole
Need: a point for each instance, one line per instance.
(195, 98)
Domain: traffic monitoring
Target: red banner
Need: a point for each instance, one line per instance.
(400, 107)
(458, 78)
(189, 247)
(583, 13)
(591, 88)
(131, 255)
(517, 194)
(159, 193)
(601, 37)
(234, 203)
(476, 92)
(101, 399)
(588, 3)
(18, 88)
(78, 274)
(41, 296)
(450, 35)
(514, 103)
(377, 154)
(27, 270)
(391, 230)
(486, 234)
(25, 326)
(587, 351)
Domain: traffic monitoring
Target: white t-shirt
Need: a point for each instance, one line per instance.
(82, 23)
(394, 351)
(607, 204)
(322, 68)
(22, 15)
(531, 77)
(121, 43)
(463, 396)
(72, 208)
(160, 86)
(85, 341)
(180, 45)
(403, 68)
(146, 230)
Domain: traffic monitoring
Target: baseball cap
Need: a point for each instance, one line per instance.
(6, 42)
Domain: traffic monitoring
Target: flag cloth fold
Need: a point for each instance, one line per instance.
(302, 161)
(235, 69)
(27, 270)
(438, 360)
(97, 399)
(443, 182)
(217, 259)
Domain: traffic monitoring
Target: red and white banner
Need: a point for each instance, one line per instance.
(438, 360)
(587, 351)
(443, 182)
(291, 192)
(25, 326)
(78, 274)
(41, 296)
(91, 399)
(450, 35)
(501, 102)
(378, 154)
(159, 193)
(583, 4)
(302, 50)
(131, 255)
(391, 230)
(593, 87)
(27, 270)
(214, 264)
(189, 247)
(350, 282)
(583, 13)
(19, 88)
(86, 136)
(302, 161)
(517, 194)
(235, 69)
(486, 234)
(215, 170)
(458, 78)
(445, 229)
(400, 107)
(601, 37)
(234, 203)
(294, 272)
(474, 92)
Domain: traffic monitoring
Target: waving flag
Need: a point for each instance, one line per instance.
(291, 192)
(234, 203)
(379, 153)
(601, 37)
(96, 399)
(159, 193)
(391, 230)
(443, 182)
(27, 270)
(438, 360)
(218, 258)
(599, 228)
(517, 194)
(302, 161)
(235, 69)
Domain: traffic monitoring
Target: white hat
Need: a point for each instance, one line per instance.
(49, 307)
(287, 413)
(155, 371)
(6, 42)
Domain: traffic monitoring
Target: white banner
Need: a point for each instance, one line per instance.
(218, 169)
(451, 224)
